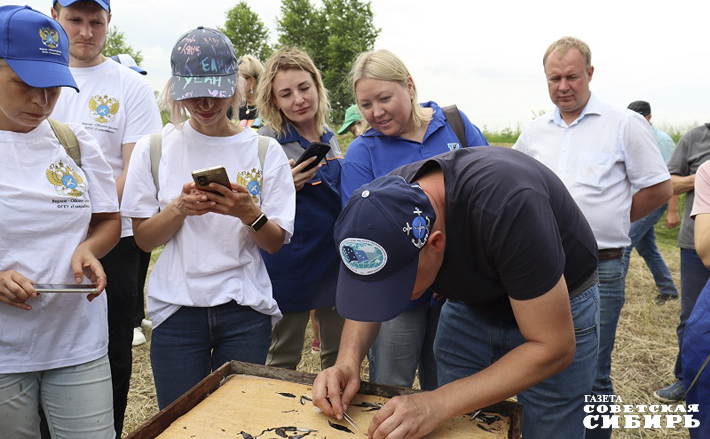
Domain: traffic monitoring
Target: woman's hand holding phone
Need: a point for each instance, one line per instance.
(301, 177)
(15, 289)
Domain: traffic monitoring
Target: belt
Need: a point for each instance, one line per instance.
(610, 253)
(587, 284)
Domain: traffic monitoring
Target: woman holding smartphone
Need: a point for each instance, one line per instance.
(293, 104)
(58, 216)
(209, 294)
(399, 131)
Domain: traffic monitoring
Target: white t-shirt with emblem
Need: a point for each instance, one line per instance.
(211, 259)
(116, 105)
(46, 202)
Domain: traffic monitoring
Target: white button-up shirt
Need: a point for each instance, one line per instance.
(600, 157)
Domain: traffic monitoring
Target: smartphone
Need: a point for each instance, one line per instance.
(66, 288)
(215, 174)
(315, 149)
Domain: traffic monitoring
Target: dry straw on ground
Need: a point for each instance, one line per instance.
(643, 358)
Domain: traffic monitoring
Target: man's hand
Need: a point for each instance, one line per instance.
(327, 389)
(15, 289)
(672, 219)
(406, 417)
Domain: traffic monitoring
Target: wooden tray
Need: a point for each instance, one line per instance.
(186, 416)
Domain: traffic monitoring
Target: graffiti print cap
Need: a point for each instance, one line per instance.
(204, 65)
(379, 234)
(35, 47)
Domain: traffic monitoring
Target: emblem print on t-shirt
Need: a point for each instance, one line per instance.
(50, 37)
(252, 180)
(65, 180)
(453, 146)
(419, 228)
(103, 108)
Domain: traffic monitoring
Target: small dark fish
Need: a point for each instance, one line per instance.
(287, 395)
(246, 435)
(305, 398)
(373, 407)
(340, 427)
(482, 427)
(489, 419)
(280, 432)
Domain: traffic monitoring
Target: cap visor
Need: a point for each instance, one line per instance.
(188, 87)
(344, 128)
(375, 300)
(42, 74)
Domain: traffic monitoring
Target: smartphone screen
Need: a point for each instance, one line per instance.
(66, 288)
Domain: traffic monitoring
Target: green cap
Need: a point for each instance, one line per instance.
(352, 115)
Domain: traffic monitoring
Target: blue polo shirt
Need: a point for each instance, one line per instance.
(374, 154)
(304, 273)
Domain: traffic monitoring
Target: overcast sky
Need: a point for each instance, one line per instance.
(487, 56)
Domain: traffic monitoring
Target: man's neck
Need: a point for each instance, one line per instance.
(73, 62)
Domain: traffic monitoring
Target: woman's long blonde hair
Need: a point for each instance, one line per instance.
(285, 59)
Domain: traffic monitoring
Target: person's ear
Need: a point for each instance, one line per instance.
(437, 241)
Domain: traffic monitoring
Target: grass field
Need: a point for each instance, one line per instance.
(642, 361)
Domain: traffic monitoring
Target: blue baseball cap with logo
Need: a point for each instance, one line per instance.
(105, 4)
(379, 235)
(204, 65)
(35, 47)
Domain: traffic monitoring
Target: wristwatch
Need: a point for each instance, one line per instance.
(257, 224)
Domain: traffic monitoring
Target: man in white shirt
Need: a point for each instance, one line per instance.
(600, 152)
(117, 106)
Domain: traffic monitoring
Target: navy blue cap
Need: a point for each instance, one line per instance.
(35, 47)
(641, 107)
(379, 234)
(105, 4)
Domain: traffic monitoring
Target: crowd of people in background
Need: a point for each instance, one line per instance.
(414, 249)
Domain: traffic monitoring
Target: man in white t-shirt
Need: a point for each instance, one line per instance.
(601, 153)
(117, 106)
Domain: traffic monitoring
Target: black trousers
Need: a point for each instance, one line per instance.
(121, 267)
(139, 312)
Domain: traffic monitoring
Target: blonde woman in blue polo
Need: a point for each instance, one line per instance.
(399, 131)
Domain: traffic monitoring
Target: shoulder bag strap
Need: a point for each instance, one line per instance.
(156, 151)
(67, 138)
(454, 118)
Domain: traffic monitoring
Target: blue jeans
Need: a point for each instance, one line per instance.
(643, 238)
(76, 400)
(697, 332)
(194, 342)
(405, 342)
(611, 299)
(693, 277)
(469, 341)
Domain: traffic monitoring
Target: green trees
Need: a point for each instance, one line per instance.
(116, 44)
(333, 35)
(247, 32)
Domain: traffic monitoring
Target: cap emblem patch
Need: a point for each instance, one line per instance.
(362, 256)
(419, 228)
(50, 37)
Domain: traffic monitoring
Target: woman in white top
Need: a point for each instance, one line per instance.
(209, 294)
(57, 219)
